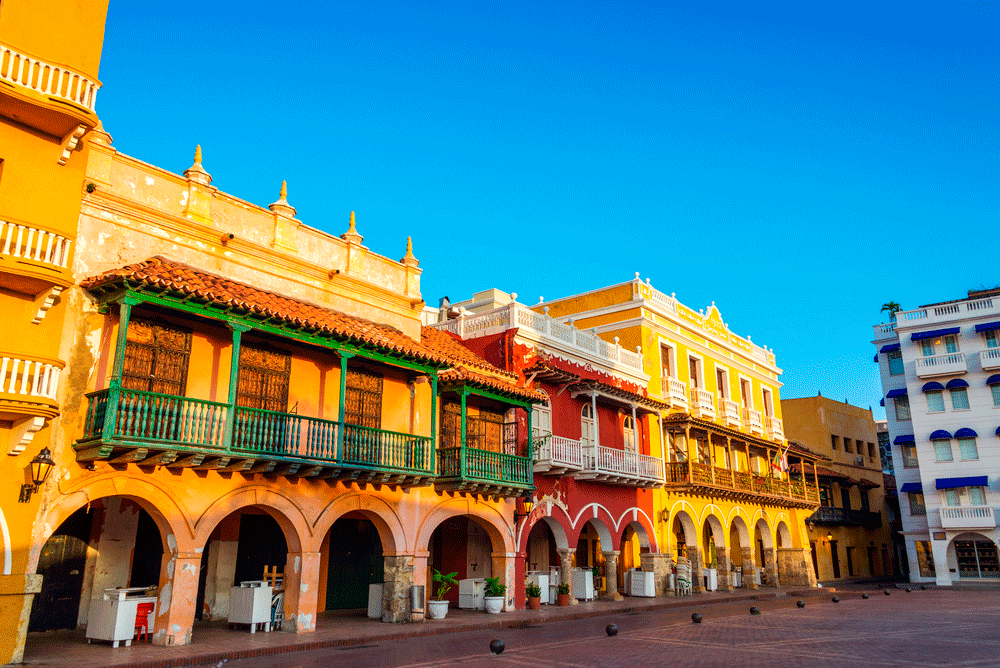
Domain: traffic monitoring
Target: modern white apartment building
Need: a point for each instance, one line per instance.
(940, 368)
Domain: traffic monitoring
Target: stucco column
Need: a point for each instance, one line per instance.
(770, 567)
(942, 576)
(749, 568)
(398, 578)
(503, 567)
(420, 578)
(566, 570)
(697, 577)
(611, 576)
(16, 594)
(795, 567)
(301, 592)
(722, 567)
(178, 596)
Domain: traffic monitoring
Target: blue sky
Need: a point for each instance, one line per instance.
(799, 165)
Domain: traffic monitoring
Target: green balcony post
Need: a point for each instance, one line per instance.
(433, 454)
(464, 393)
(342, 410)
(531, 445)
(118, 367)
(234, 372)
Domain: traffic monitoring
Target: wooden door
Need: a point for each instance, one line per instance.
(355, 561)
(61, 565)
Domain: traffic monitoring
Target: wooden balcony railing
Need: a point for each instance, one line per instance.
(624, 467)
(485, 465)
(723, 479)
(123, 418)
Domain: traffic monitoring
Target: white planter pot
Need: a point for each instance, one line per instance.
(437, 609)
(494, 604)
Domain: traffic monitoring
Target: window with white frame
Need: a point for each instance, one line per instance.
(722, 382)
(541, 420)
(694, 371)
(927, 348)
(667, 361)
(628, 429)
(942, 450)
(902, 404)
(768, 405)
(895, 358)
(909, 456)
(935, 401)
(587, 436)
(917, 506)
(967, 449)
(992, 338)
(939, 345)
(977, 497)
(995, 389)
(959, 398)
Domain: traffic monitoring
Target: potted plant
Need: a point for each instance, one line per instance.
(534, 593)
(438, 607)
(562, 591)
(494, 595)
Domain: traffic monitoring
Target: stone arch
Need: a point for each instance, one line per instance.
(171, 519)
(717, 527)
(738, 525)
(951, 553)
(680, 514)
(784, 535)
(538, 517)
(602, 519)
(373, 508)
(603, 533)
(764, 528)
(298, 532)
(486, 515)
(643, 527)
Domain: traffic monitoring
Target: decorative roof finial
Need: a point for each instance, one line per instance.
(282, 206)
(196, 172)
(410, 260)
(351, 235)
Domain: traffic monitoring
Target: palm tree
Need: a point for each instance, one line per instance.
(892, 308)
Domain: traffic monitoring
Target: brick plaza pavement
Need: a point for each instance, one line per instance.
(923, 628)
(214, 641)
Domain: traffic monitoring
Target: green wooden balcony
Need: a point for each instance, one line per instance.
(484, 471)
(149, 429)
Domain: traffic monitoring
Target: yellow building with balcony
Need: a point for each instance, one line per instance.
(49, 58)
(730, 504)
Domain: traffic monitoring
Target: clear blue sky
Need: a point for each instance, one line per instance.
(797, 164)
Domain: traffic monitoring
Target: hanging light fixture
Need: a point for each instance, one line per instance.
(41, 465)
(526, 504)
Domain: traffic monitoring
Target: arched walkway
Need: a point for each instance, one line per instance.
(765, 555)
(686, 539)
(716, 553)
(596, 548)
(741, 554)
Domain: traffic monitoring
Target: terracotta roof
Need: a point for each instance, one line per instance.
(450, 346)
(162, 274)
(491, 382)
(482, 372)
(544, 371)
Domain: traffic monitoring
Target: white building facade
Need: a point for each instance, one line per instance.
(940, 369)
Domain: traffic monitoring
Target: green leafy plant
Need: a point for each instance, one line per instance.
(533, 590)
(444, 583)
(596, 571)
(562, 588)
(494, 588)
(892, 308)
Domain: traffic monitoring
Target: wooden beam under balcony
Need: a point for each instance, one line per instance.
(187, 462)
(130, 456)
(159, 459)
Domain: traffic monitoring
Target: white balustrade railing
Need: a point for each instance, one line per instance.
(953, 311)
(34, 244)
(885, 330)
(702, 400)
(775, 428)
(47, 78)
(968, 517)
(561, 451)
(518, 316)
(730, 411)
(753, 419)
(941, 364)
(28, 378)
(674, 391)
(990, 358)
(624, 463)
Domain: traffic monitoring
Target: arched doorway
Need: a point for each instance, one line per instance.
(741, 555)
(634, 543)
(461, 544)
(716, 555)
(594, 540)
(542, 548)
(686, 540)
(247, 544)
(974, 556)
(111, 543)
(764, 554)
(352, 553)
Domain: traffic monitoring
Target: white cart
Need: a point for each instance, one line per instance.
(250, 603)
(112, 617)
(642, 583)
(711, 578)
(583, 584)
(471, 594)
(540, 578)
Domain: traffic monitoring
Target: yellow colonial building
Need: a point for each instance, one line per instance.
(48, 86)
(729, 504)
